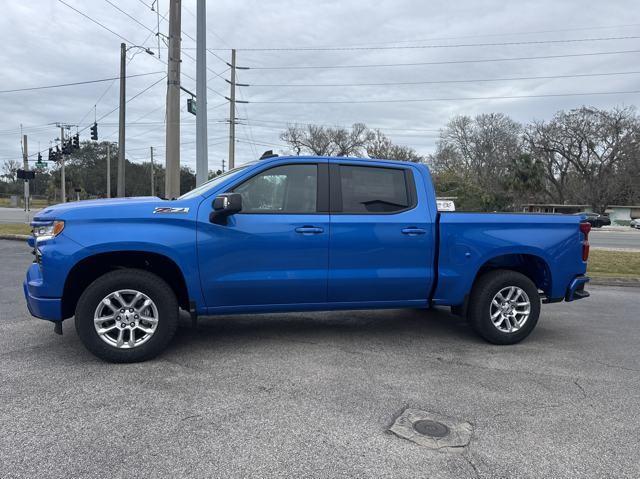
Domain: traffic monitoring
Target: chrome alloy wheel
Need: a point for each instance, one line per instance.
(126, 319)
(510, 309)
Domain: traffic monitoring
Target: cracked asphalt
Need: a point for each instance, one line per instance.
(313, 395)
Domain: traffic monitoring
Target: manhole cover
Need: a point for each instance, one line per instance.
(430, 428)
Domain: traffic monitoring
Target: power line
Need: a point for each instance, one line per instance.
(421, 100)
(128, 100)
(419, 47)
(130, 16)
(510, 34)
(430, 82)
(97, 22)
(76, 83)
(446, 62)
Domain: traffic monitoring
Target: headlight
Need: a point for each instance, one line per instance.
(45, 231)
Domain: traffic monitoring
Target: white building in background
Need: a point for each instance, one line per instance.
(619, 214)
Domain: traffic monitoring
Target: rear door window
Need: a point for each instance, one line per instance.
(369, 190)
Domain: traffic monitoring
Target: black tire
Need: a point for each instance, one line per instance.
(480, 301)
(147, 283)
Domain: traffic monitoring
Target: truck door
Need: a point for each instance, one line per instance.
(275, 251)
(382, 237)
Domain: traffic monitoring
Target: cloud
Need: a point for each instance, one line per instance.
(45, 42)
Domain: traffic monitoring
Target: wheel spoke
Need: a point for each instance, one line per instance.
(496, 314)
(107, 302)
(132, 339)
(148, 319)
(122, 302)
(102, 331)
(144, 306)
(135, 299)
(145, 329)
(102, 319)
(120, 340)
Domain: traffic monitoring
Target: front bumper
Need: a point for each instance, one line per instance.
(576, 289)
(44, 308)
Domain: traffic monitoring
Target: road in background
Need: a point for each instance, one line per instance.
(615, 239)
(15, 215)
(313, 395)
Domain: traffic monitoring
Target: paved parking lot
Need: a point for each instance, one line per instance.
(312, 395)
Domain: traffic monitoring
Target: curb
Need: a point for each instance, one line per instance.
(14, 237)
(627, 282)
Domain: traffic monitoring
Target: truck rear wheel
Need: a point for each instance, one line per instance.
(127, 316)
(504, 306)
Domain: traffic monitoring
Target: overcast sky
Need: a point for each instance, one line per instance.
(46, 42)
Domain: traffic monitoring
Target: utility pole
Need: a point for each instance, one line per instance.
(25, 159)
(63, 187)
(172, 174)
(122, 115)
(232, 112)
(153, 193)
(108, 170)
(202, 160)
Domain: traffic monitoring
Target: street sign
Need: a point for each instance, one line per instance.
(26, 174)
(191, 105)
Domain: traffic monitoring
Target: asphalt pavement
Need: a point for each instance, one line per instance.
(624, 239)
(15, 215)
(313, 395)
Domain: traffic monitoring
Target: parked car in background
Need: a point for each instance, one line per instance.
(598, 220)
(635, 223)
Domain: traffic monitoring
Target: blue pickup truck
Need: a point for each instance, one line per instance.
(295, 234)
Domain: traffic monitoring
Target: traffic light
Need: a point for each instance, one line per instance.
(66, 148)
(94, 131)
(52, 157)
(76, 141)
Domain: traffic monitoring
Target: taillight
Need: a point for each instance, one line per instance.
(585, 228)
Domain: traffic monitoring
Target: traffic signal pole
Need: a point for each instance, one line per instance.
(202, 163)
(232, 112)
(121, 136)
(108, 170)
(63, 187)
(172, 152)
(153, 192)
(25, 159)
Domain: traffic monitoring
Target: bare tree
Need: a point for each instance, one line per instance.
(475, 155)
(596, 144)
(323, 141)
(10, 170)
(380, 146)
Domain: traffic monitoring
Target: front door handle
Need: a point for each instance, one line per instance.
(309, 230)
(413, 231)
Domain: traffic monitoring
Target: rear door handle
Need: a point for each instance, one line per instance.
(413, 231)
(309, 230)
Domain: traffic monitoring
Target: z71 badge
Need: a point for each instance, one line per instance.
(167, 210)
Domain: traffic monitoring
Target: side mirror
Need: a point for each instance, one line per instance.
(225, 205)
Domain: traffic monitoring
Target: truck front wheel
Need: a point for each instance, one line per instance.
(127, 316)
(504, 306)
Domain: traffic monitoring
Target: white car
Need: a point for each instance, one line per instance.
(635, 223)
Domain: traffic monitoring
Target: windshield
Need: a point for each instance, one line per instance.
(212, 183)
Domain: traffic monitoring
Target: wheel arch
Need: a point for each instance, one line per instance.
(88, 269)
(533, 266)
